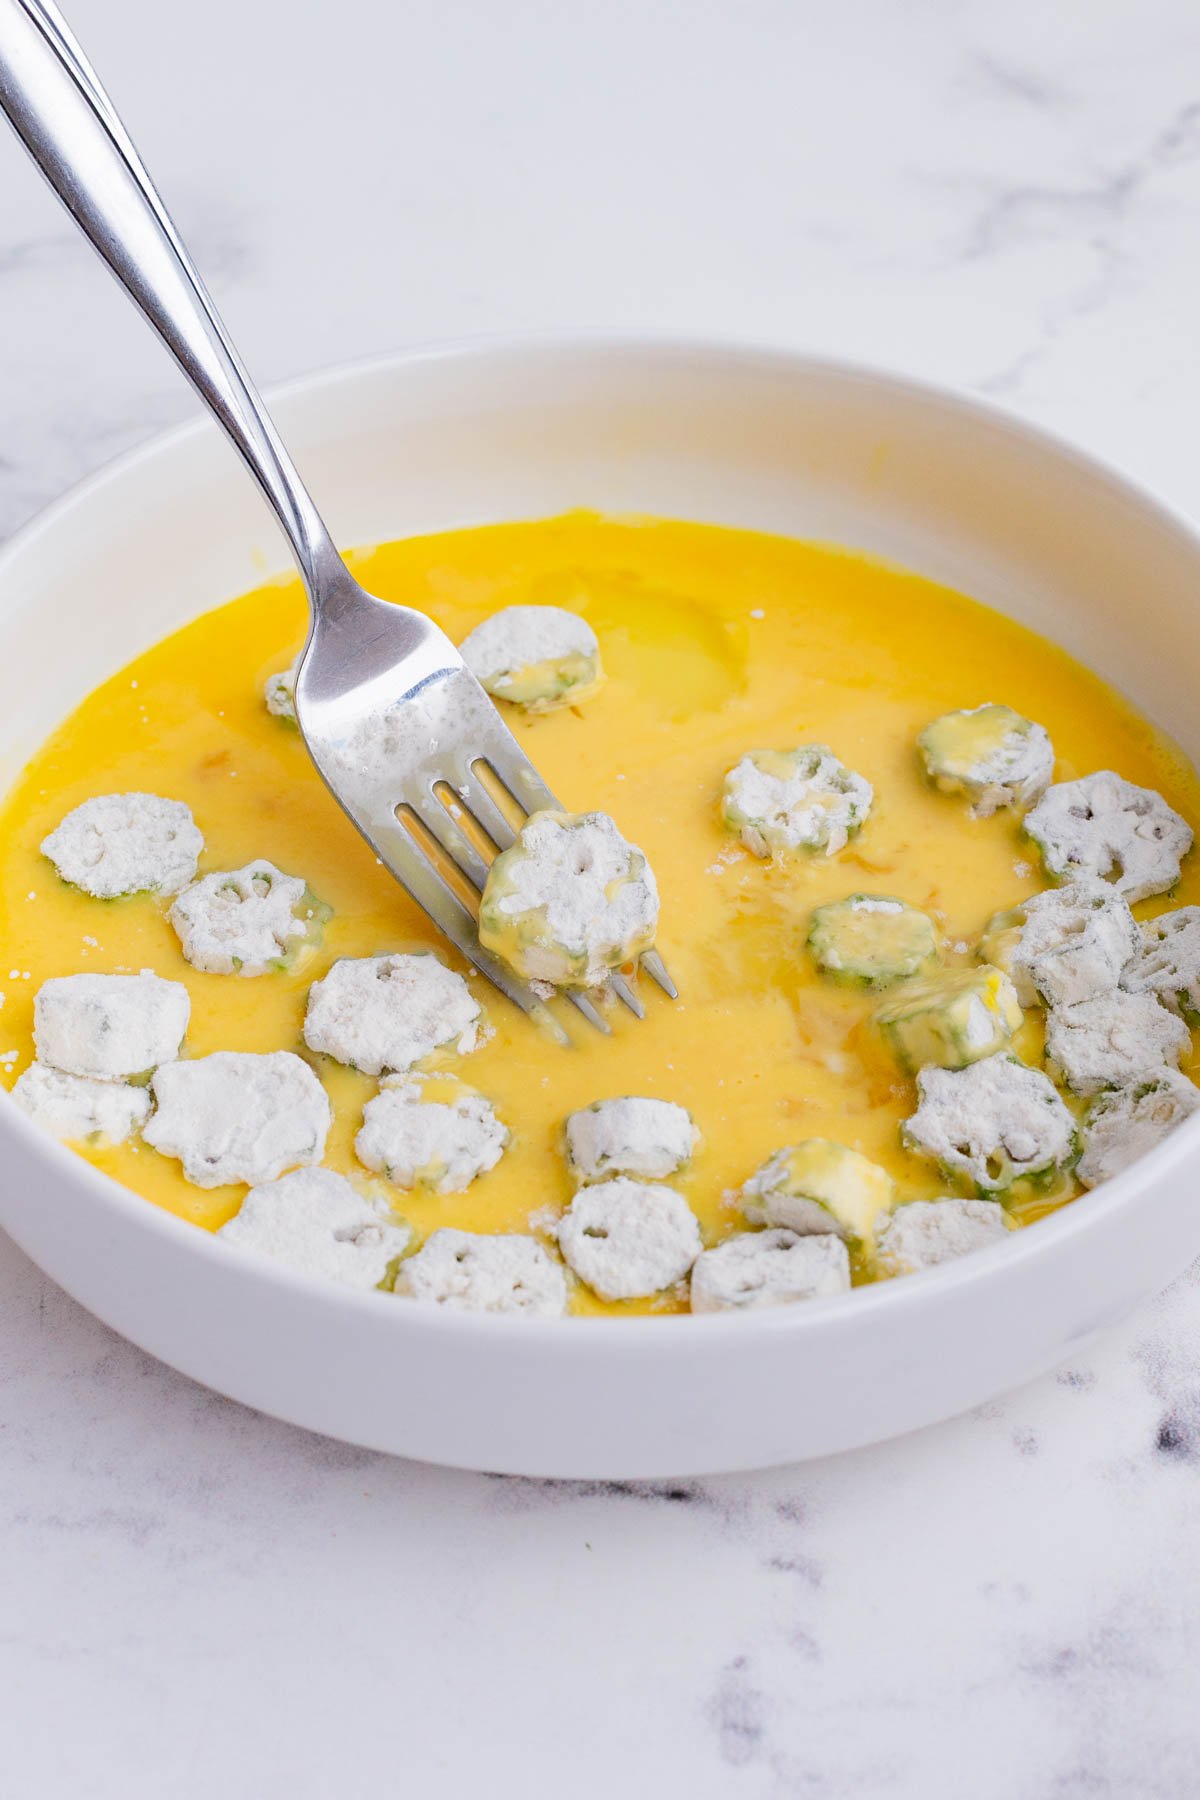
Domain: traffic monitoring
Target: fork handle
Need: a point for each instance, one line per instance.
(74, 134)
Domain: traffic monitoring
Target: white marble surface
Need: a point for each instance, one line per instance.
(196, 1600)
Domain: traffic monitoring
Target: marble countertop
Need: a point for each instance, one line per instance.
(197, 1600)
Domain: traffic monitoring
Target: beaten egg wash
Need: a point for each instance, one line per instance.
(715, 642)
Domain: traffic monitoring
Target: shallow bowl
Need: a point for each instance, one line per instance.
(523, 428)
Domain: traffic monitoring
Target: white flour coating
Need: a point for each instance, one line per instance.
(236, 1116)
(519, 637)
(279, 692)
(923, 1233)
(627, 1239)
(1124, 1123)
(76, 1109)
(126, 844)
(109, 1026)
(442, 1143)
(802, 800)
(571, 900)
(1015, 772)
(389, 743)
(629, 1136)
(1074, 944)
(769, 1268)
(995, 1122)
(1112, 1040)
(384, 1013)
(244, 921)
(1167, 962)
(467, 1272)
(317, 1223)
(1103, 825)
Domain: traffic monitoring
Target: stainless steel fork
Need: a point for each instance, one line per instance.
(405, 738)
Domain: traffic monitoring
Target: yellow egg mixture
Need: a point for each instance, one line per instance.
(715, 642)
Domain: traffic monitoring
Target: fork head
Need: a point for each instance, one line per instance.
(417, 755)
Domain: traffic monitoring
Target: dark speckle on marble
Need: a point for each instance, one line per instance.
(737, 1714)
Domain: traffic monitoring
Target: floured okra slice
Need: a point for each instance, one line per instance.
(989, 753)
(649, 1139)
(1166, 962)
(466, 1271)
(951, 1019)
(629, 1239)
(318, 1223)
(923, 1233)
(1122, 1124)
(872, 940)
(279, 693)
(248, 921)
(997, 1123)
(769, 1268)
(238, 1116)
(120, 844)
(1113, 1040)
(384, 1013)
(1106, 826)
(819, 1186)
(537, 657)
(1067, 944)
(430, 1131)
(110, 1027)
(78, 1109)
(795, 801)
(569, 901)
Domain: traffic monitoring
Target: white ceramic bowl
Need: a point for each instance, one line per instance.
(524, 428)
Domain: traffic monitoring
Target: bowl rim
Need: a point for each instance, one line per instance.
(1085, 1214)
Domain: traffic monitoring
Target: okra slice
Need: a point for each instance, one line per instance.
(430, 1131)
(1166, 962)
(781, 802)
(537, 657)
(769, 1268)
(872, 940)
(1113, 1040)
(629, 1239)
(120, 844)
(1122, 1124)
(468, 1271)
(317, 1223)
(1072, 944)
(110, 1027)
(819, 1186)
(250, 921)
(998, 1123)
(569, 901)
(921, 1234)
(239, 1116)
(382, 1014)
(279, 693)
(649, 1139)
(77, 1109)
(1104, 825)
(990, 753)
(951, 1019)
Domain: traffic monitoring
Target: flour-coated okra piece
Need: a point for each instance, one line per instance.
(238, 1116)
(279, 693)
(1166, 962)
(819, 1186)
(110, 1027)
(805, 801)
(1104, 825)
(997, 1123)
(950, 1019)
(628, 1239)
(466, 1271)
(872, 940)
(79, 1110)
(769, 1268)
(1112, 1040)
(1122, 1124)
(382, 1014)
(249, 921)
(569, 901)
(120, 844)
(1073, 943)
(648, 1139)
(537, 657)
(923, 1233)
(991, 754)
(430, 1131)
(317, 1223)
